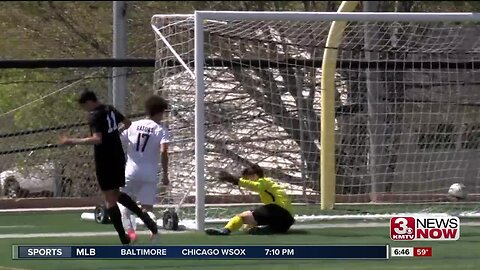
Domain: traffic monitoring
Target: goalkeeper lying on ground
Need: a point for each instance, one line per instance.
(276, 214)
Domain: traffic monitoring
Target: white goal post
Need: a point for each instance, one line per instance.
(291, 55)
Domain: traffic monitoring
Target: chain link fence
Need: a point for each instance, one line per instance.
(37, 106)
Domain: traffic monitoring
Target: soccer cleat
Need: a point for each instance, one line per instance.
(125, 240)
(259, 230)
(132, 235)
(153, 237)
(215, 231)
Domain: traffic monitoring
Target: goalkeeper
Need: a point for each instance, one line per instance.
(276, 213)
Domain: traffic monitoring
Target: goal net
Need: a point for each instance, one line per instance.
(407, 122)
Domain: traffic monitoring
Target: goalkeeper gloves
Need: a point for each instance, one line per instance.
(224, 176)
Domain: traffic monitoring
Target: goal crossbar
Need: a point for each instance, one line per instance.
(337, 16)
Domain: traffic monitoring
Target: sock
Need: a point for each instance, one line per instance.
(234, 224)
(126, 218)
(126, 201)
(131, 205)
(116, 218)
(133, 220)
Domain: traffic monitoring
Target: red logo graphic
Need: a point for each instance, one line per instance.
(402, 228)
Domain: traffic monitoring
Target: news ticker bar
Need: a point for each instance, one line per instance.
(21, 252)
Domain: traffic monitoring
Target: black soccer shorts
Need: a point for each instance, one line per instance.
(110, 175)
(278, 219)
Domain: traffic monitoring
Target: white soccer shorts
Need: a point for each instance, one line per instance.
(141, 191)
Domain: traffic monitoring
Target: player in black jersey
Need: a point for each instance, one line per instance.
(106, 124)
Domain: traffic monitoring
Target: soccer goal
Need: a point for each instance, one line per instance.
(359, 115)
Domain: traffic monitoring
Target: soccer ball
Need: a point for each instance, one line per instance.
(458, 191)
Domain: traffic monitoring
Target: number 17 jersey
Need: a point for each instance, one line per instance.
(142, 140)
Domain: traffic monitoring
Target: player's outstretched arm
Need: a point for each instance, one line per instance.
(224, 176)
(96, 138)
(164, 161)
(125, 124)
(250, 185)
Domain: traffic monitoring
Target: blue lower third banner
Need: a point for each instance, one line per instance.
(203, 252)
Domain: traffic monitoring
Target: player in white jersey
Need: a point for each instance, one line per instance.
(146, 142)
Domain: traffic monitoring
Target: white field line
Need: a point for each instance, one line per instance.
(74, 234)
(11, 268)
(300, 226)
(55, 209)
(161, 206)
(16, 226)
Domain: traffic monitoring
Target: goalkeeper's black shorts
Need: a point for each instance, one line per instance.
(277, 218)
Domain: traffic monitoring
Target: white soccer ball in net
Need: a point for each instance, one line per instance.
(458, 191)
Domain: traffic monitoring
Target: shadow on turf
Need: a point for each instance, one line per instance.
(290, 232)
(297, 231)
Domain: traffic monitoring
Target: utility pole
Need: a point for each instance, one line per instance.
(119, 74)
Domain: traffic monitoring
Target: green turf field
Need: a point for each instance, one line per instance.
(462, 254)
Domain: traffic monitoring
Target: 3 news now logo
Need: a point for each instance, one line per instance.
(424, 228)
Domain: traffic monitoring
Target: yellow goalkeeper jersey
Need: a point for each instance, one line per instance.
(269, 191)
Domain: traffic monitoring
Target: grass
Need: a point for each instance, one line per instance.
(462, 254)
